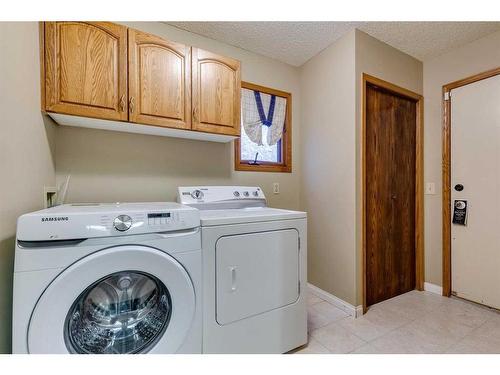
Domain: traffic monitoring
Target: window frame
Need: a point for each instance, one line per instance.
(285, 166)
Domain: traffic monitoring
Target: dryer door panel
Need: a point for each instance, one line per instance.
(256, 273)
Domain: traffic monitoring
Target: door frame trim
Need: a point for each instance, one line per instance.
(419, 174)
(446, 170)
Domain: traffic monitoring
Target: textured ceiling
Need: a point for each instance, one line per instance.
(428, 39)
(296, 42)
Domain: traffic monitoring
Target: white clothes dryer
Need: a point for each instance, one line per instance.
(254, 271)
(108, 278)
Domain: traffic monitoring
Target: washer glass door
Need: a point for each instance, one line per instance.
(122, 299)
(125, 312)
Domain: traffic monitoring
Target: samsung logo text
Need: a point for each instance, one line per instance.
(57, 218)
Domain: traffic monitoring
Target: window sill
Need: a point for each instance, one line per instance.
(263, 167)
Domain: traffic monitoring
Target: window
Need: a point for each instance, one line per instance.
(266, 130)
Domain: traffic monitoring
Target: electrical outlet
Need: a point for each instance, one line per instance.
(276, 188)
(49, 196)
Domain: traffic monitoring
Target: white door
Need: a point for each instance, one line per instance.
(475, 164)
(124, 299)
(256, 273)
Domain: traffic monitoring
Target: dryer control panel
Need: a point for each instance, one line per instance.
(221, 197)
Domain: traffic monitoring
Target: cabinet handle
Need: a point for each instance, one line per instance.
(122, 103)
(195, 114)
(131, 104)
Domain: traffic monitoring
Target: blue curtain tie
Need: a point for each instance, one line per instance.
(268, 121)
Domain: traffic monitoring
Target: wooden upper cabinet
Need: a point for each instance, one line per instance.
(108, 71)
(86, 69)
(216, 93)
(159, 81)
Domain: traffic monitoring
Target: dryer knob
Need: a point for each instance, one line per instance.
(197, 194)
(122, 223)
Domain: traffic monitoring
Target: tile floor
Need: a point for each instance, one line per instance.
(415, 322)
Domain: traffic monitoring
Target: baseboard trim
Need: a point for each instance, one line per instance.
(359, 311)
(354, 311)
(433, 288)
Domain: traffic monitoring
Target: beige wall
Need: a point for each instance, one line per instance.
(328, 167)
(473, 58)
(385, 62)
(331, 153)
(26, 162)
(111, 166)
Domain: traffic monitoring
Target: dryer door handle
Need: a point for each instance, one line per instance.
(232, 271)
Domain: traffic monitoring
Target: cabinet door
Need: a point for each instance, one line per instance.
(216, 93)
(86, 69)
(159, 81)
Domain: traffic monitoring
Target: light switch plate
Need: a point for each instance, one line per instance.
(430, 188)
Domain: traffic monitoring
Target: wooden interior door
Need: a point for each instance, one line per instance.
(216, 93)
(390, 164)
(86, 69)
(159, 81)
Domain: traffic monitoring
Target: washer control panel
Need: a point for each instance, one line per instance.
(157, 221)
(146, 222)
(80, 221)
(162, 218)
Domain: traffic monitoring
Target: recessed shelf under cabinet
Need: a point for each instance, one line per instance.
(129, 127)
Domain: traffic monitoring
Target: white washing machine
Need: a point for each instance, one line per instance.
(254, 271)
(108, 278)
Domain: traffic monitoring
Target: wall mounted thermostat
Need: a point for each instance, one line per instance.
(460, 212)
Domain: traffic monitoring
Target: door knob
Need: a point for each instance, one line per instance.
(459, 187)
